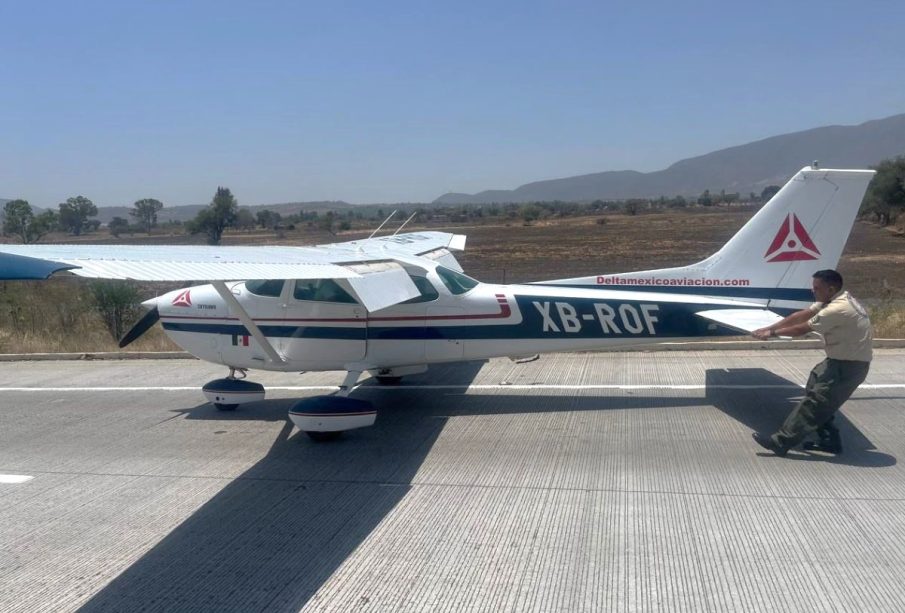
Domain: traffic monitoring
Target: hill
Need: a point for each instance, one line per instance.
(744, 168)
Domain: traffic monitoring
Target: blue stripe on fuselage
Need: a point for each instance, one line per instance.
(271, 331)
(542, 317)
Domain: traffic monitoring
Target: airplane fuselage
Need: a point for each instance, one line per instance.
(458, 323)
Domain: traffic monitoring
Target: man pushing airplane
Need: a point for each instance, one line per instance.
(846, 330)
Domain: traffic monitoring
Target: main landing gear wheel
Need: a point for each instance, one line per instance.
(325, 418)
(388, 380)
(225, 407)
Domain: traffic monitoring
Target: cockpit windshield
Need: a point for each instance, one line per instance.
(455, 282)
(265, 287)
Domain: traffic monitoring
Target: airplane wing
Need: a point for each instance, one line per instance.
(370, 266)
(431, 245)
(744, 320)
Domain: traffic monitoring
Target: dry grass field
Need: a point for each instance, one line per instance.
(56, 316)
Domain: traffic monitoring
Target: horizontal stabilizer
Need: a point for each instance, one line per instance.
(744, 320)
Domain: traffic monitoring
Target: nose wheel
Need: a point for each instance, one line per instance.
(228, 393)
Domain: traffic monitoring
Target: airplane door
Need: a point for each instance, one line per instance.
(325, 325)
(264, 300)
(445, 347)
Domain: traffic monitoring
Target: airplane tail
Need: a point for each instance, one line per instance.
(802, 229)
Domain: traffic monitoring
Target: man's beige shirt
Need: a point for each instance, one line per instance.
(845, 327)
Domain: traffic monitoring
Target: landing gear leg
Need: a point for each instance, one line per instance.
(345, 388)
(222, 406)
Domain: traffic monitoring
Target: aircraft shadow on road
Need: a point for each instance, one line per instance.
(766, 403)
(272, 537)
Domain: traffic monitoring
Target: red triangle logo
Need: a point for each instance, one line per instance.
(184, 298)
(792, 243)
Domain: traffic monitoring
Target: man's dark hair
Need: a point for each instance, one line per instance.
(830, 277)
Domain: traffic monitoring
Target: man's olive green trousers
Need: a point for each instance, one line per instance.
(831, 383)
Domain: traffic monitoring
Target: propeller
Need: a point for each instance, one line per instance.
(149, 319)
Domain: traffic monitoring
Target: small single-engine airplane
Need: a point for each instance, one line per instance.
(395, 304)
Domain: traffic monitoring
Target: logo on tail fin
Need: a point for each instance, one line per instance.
(792, 243)
(183, 299)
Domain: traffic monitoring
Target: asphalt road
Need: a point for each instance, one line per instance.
(580, 482)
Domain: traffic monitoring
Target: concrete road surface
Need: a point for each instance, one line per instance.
(580, 482)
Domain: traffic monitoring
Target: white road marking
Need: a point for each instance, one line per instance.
(14, 479)
(538, 386)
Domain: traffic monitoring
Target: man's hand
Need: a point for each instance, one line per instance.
(795, 324)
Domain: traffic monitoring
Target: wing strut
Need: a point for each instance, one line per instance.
(247, 321)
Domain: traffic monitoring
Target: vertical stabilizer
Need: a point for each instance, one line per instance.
(802, 229)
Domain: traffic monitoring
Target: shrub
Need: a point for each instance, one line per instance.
(117, 302)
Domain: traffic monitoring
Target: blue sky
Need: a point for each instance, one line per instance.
(403, 101)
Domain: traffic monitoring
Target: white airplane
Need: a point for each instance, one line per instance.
(395, 304)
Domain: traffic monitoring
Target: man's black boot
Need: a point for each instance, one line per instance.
(766, 441)
(828, 441)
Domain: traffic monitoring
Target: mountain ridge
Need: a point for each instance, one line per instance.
(741, 168)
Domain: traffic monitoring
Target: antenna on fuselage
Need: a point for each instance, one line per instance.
(362, 245)
(404, 223)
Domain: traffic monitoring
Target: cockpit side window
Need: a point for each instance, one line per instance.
(455, 282)
(265, 287)
(427, 289)
(321, 290)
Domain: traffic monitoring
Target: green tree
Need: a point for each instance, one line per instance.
(20, 221)
(326, 222)
(768, 192)
(885, 197)
(245, 220)
(219, 215)
(74, 214)
(117, 226)
(529, 212)
(145, 212)
(632, 206)
(705, 199)
(268, 219)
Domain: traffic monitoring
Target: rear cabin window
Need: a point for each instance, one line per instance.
(427, 289)
(265, 287)
(321, 290)
(455, 282)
